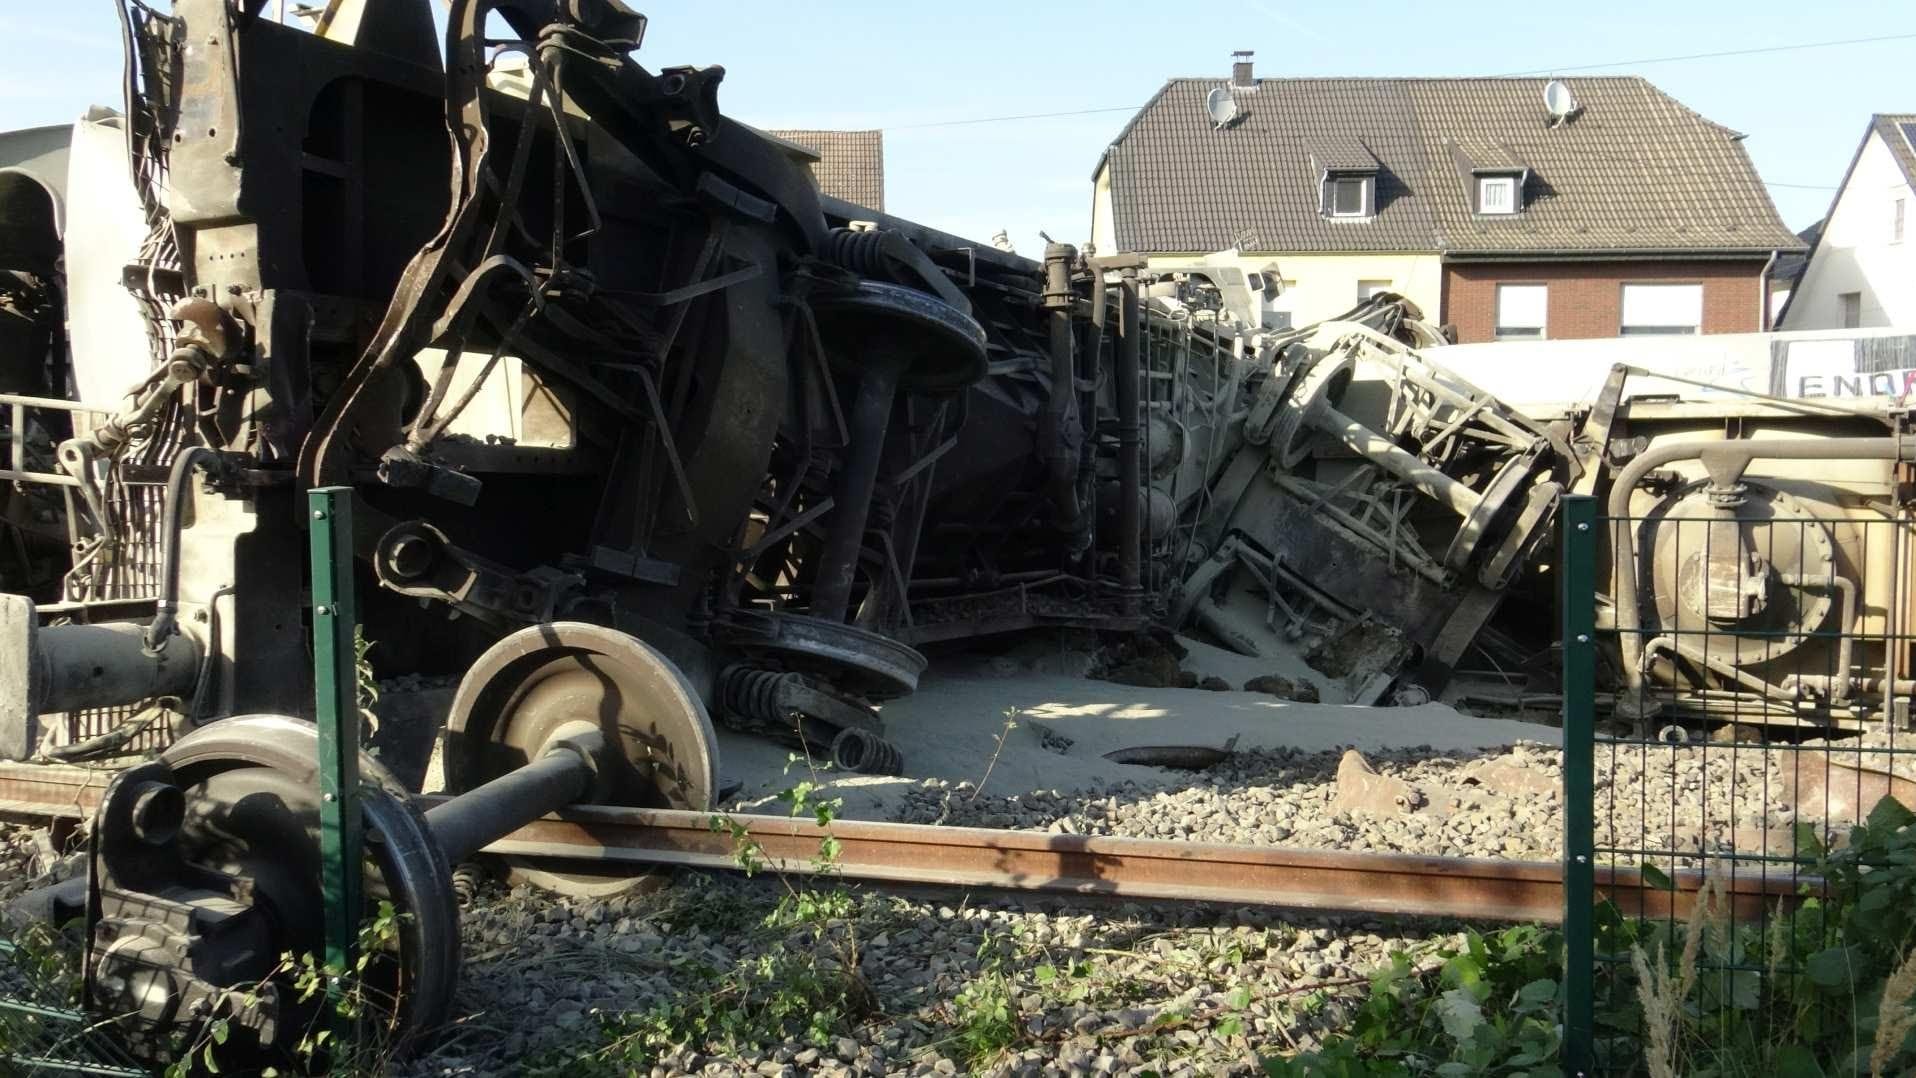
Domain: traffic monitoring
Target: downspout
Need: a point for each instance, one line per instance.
(1725, 462)
(1763, 294)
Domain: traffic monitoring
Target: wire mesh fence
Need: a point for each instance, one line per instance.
(43, 1030)
(1756, 747)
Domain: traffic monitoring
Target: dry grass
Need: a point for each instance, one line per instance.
(1662, 993)
(1895, 1018)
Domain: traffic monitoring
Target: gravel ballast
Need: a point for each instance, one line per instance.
(1090, 989)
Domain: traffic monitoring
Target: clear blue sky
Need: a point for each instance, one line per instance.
(897, 64)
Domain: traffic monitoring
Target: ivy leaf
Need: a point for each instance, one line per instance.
(1655, 877)
(1890, 815)
(1809, 843)
(1460, 1014)
(1239, 998)
(206, 1058)
(1831, 967)
(1231, 1027)
(219, 1031)
(1796, 1061)
(1045, 974)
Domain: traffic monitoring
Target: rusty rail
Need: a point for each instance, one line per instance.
(1033, 862)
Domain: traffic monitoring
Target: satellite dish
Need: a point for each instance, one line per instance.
(1221, 107)
(1558, 100)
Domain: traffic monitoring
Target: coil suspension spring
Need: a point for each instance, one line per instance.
(861, 252)
(752, 694)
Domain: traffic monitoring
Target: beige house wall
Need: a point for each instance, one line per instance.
(1319, 286)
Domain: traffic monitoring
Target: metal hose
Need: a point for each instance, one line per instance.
(166, 611)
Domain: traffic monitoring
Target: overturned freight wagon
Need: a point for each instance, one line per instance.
(641, 430)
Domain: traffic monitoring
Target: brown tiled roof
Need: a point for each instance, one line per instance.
(850, 165)
(1179, 185)
(1632, 171)
(1899, 134)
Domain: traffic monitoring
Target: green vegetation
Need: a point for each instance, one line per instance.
(804, 981)
(1825, 990)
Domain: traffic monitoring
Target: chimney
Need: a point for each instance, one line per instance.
(1241, 70)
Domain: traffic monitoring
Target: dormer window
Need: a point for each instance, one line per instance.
(1496, 194)
(1346, 177)
(1349, 196)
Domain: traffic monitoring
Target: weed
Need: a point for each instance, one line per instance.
(803, 982)
(1011, 723)
(987, 1008)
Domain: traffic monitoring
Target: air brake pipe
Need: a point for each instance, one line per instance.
(166, 615)
(1726, 462)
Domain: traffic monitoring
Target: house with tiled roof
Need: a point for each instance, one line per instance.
(1862, 269)
(847, 164)
(1625, 212)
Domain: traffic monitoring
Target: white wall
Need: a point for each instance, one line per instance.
(1857, 253)
(1545, 377)
(1103, 232)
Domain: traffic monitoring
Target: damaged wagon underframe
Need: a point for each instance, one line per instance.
(590, 351)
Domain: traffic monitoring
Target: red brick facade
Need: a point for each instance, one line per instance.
(1586, 298)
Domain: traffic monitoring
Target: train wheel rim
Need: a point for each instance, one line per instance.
(544, 679)
(252, 787)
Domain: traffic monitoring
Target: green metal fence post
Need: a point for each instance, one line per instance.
(335, 683)
(1579, 602)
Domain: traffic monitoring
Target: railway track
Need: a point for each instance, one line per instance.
(1031, 862)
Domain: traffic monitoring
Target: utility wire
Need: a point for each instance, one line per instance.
(1538, 71)
(1002, 119)
(1716, 55)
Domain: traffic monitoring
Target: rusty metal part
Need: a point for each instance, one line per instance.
(865, 662)
(1841, 795)
(1361, 789)
(1177, 757)
(1033, 862)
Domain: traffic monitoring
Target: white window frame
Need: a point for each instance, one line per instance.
(1898, 210)
(1371, 286)
(1514, 330)
(1849, 307)
(1664, 300)
(1506, 184)
(1365, 196)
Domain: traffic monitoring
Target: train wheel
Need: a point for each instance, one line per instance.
(545, 679)
(223, 830)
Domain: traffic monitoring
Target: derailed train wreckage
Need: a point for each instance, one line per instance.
(757, 447)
